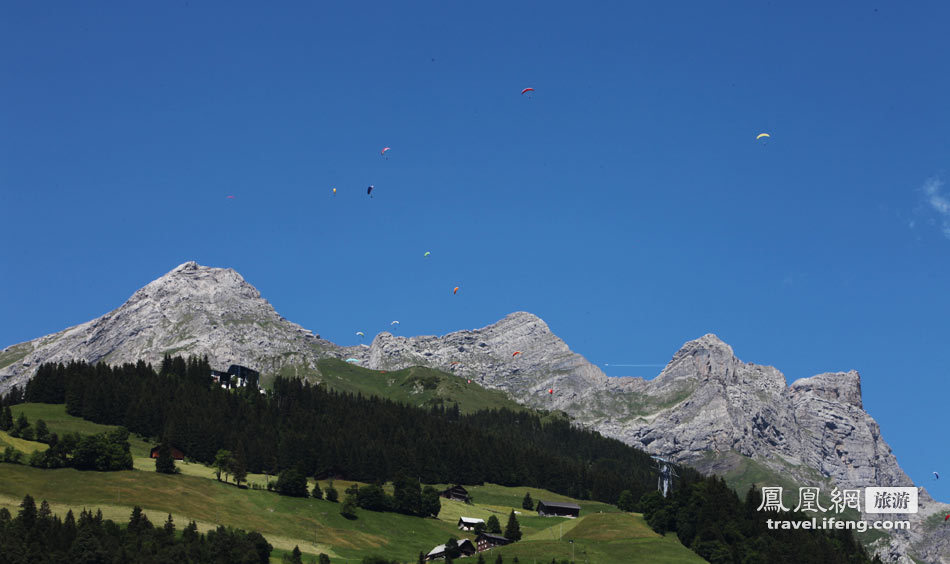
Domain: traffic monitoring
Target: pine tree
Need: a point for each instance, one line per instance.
(493, 525)
(42, 431)
(331, 493)
(422, 558)
(295, 556)
(165, 463)
(169, 527)
(6, 419)
(317, 493)
(239, 466)
(481, 559)
(323, 559)
(499, 560)
(27, 515)
(222, 462)
(512, 529)
(527, 502)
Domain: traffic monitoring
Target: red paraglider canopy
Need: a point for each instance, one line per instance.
(527, 90)
(550, 390)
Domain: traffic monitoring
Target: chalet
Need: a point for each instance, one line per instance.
(558, 509)
(488, 541)
(237, 376)
(438, 552)
(468, 523)
(458, 493)
(176, 454)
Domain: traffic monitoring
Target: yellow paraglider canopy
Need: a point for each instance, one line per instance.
(761, 135)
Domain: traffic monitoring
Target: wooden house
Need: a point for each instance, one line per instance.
(468, 523)
(438, 552)
(458, 493)
(488, 541)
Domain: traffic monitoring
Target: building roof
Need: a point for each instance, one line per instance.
(437, 550)
(471, 520)
(441, 547)
(490, 536)
(561, 504)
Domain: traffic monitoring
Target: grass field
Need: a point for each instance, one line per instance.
(24, 446)
(417, 386)
(60, 422)
(316, 525)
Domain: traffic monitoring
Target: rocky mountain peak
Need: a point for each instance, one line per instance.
(840, 387)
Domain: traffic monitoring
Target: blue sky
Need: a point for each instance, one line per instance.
(626, 202)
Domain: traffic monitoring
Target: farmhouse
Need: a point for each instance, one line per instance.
(176, 454)
(487, 541)
(558, 509)
(468, 523)
(458, 493)
(438, 552)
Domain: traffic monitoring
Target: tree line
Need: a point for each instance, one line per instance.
(36, 536)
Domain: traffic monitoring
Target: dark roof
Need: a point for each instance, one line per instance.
(456, 488)
(561, 504)
(490, 536)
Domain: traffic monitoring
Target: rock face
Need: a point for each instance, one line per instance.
(191, 310)
(707, 408)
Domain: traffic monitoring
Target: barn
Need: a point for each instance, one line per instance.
(558, 509)
(458, 493)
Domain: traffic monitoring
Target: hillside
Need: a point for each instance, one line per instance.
(707, 408)
(315, 525)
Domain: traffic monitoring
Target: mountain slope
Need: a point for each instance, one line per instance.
(707, 408)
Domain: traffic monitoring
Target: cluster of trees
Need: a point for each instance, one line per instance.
(35, 535)
(104, 451)
(323, 433)
(409, 498)
(709, 518)
(20, 427)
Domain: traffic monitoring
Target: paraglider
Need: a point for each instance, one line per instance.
(527, 90)
(516, 354)
(761, 135)
(369, 191)
(945, 518)
(427, 254)
(230, 197)
(361, 334)
(455, 290)
(550, 391)
(383, 152)
(469, 381)
(936, 476)
(334, 191)
(455, 362)
(394, 323)
(351, 360)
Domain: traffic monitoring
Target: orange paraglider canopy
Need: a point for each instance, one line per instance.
(455, 290)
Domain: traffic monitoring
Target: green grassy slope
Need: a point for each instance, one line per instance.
(316, 525)
(60, 422)
(418, 386)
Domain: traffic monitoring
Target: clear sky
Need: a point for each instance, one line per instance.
(626, 202)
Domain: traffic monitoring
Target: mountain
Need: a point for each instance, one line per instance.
(707, 408)
(191, 310)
